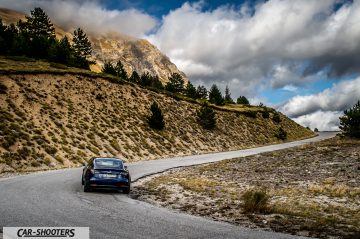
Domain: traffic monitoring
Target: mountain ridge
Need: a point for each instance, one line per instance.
(136, 54)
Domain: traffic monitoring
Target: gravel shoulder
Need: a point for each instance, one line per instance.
(313, 190)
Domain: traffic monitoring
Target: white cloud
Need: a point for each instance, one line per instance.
(322, 110)
(280, 43)
(322, 120)
(89, 15)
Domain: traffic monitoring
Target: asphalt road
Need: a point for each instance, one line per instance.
(55, 198)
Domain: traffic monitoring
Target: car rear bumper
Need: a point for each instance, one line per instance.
(109, 183)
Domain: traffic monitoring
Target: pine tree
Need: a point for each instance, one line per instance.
(61, 52)
(38, 24)
(242, 100)
(175, 84)
(8, 35)
(190, 91)
(145, 79)
(350, 122)
(135, 78)
(120, 71)
(215, 95)
(156, 119)
(156, 83)
(36, 35)
(228, 99)
(82, 48)
(206, 117)
(108, 68)
(201, 92)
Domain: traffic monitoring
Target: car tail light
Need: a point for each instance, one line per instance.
(123, 174)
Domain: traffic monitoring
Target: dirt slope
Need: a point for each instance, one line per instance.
(59, 120)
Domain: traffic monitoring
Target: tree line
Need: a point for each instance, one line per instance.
(35, 37)
(175, 84)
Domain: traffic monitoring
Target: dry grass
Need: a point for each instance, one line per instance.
(61, 117)
(311, 190)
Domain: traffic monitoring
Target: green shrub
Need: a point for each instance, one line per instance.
(255, 201)
(3, 89)
(115, 145)
(265, 114)
(99, 97)
(47, 161)
(35, 163)
(281, 134)
(50, 150)
(24, 152)
(59, 159)
(206, 117)
(251, 114)
(8, 141)
(276, 117)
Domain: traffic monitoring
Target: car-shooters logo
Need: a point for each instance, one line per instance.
(46, 232)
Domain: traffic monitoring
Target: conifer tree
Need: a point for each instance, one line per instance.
(120, 71)
(61, 52)
(201, 92)
(242, 100)
(228, 99)
(350, 122)
(206, 117)
(82, 48)
(190, 91)
(135, 78)
(38, 33)
(215, 95)
(156, 119)
(38, 24)
(108, 68)
(175, 84)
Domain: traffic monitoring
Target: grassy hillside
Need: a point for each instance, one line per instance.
(53, 119)
(311, 190)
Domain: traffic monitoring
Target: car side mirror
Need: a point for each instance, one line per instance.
(125, 167)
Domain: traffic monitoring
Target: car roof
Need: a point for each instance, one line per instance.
(108, 158)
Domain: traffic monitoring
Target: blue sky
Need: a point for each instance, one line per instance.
(300, 56)
(160, 8)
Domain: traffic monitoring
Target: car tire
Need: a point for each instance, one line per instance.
(87, 187)
(126, 190)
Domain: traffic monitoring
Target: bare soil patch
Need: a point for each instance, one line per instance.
(313, 190)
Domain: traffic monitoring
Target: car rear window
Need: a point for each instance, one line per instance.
(105, 163)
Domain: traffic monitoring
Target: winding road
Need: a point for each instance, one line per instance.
(55, 198)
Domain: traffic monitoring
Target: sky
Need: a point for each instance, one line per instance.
(301, 57)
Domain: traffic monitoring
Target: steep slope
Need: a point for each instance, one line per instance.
(136, 54)
(59, 120)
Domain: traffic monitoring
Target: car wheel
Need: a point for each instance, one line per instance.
(87, 186)
(127, 190)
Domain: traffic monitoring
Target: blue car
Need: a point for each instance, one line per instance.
(106, 173)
